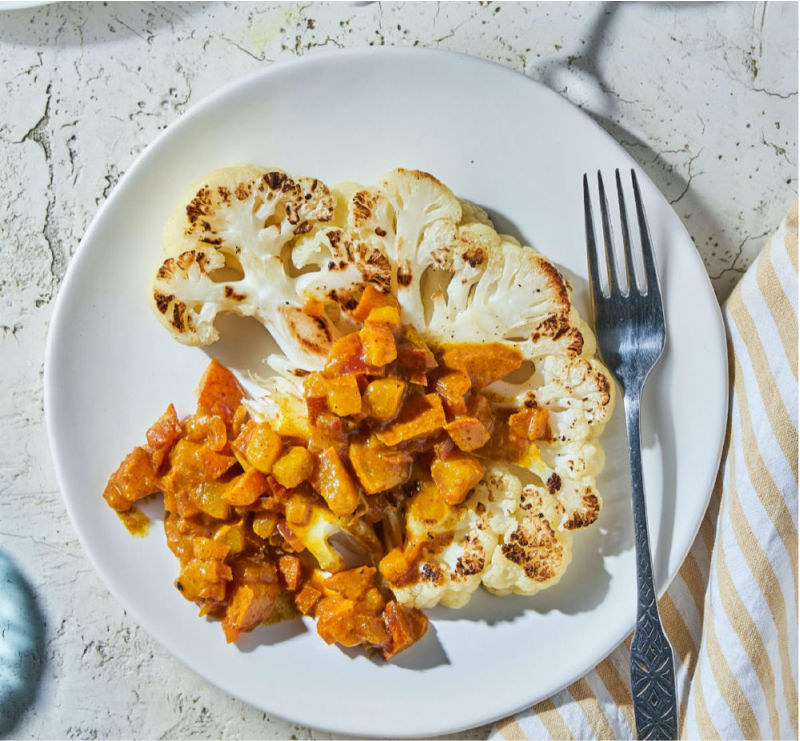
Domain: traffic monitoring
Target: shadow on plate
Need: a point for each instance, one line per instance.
(22, 645)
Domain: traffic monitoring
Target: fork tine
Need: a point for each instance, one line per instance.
(595, 286)
(611, 261)
(626, 237)
(647, 248)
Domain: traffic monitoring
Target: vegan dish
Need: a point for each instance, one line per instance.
(431, 425)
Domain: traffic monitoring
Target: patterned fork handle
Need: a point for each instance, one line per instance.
(652, 670)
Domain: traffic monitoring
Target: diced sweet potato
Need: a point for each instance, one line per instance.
(378, 341)
(456, 476)
(162, 435)
(202, 580)
(254, 569)
(371, 299)
(334, 483)
(377, 466)
(315, 391)
(335, 621)
(347, 356)
(414, 356)
(209, 497)
(207, 549)
(452, 386)
(420, 416)
(293, 467)
(343, 395)
(406, 625)
(264, 524)
(307, 598)
(388, 314)
(468, 433)
(246, 488)
(478, 406)
(251, 605)
(298, 509)
(396, 568)
(484, 362)
(233, 536)
(133, 480)
(383, 397)
(219, 393)
(289, 571)
(260, 445)
(372, 630)
(528, 424)
(352, 584)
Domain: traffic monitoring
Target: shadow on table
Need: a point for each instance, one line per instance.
(22, 640)
(80, 24)
(580, 79)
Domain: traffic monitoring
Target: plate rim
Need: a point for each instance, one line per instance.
(79, 256)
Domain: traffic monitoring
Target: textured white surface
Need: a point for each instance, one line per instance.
(704, 96)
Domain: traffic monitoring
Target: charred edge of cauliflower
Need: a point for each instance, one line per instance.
(241, 218)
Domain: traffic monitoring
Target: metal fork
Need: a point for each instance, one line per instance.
(629, 323)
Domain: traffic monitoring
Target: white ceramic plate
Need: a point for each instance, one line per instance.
(495, 138)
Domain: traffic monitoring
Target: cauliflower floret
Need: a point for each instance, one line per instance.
(533, 553)
(223, 250)
(504, 536)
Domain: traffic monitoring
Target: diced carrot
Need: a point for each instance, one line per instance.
(528, 424)
(378, 341)
(468, 433)
(210, 464)
(456, 476)
(307, 599)
(251, 604)
(484, 362)
(371, 299)
(162, 436)
(383, 397)
(293, 467)
(133, 480)
(343, 395)
(219, 393)
(246, 488)
(333, 482)
(420, 416)
(377, 466)
(406, 625)
(290, 571)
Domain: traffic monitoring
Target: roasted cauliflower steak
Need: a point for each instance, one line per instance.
(297, 255)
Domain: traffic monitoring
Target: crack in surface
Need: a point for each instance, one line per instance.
(39, 134)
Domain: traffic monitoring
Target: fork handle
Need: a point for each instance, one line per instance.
(652, 669)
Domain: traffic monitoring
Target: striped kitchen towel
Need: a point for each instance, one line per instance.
(731, 613)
